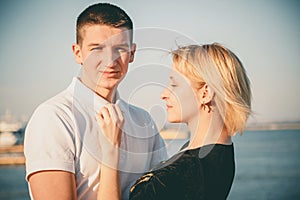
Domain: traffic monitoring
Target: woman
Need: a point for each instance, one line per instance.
(210, 92)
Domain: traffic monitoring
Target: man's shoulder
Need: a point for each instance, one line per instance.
(58, 103)
(62, 98)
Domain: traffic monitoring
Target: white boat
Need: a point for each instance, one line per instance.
(7, 139)
(7, 128)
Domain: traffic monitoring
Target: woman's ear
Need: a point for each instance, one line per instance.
(207, 94)
(77, 53)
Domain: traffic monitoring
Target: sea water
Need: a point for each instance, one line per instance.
(267, 167)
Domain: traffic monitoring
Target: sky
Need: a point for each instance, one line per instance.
(36, 61)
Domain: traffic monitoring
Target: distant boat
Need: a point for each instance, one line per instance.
(7, 129)
(7, 139)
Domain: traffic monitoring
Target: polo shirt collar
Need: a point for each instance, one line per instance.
(87, 97)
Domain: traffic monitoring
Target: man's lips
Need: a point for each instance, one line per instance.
(109, 73)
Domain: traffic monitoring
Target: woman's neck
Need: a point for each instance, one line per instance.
(208, 129)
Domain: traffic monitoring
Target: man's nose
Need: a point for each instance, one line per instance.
(110, 58)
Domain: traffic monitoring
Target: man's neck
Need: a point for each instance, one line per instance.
(106, 93)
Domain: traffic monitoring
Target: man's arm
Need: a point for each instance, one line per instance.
(53, 185)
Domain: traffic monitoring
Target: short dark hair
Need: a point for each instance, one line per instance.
(103, 14)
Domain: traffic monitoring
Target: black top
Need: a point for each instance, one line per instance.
(203, 173)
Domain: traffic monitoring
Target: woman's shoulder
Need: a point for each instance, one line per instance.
(172, 178)
(178, 167)
(180, 160)
(181, 177)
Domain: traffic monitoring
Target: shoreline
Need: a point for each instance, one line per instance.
(12, 155)
(273, 126)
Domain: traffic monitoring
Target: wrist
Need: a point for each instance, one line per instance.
(110, 158)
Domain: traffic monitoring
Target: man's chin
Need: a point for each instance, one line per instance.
(109, 85)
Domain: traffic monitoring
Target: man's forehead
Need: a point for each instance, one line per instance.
(108, 42)
(106, 32)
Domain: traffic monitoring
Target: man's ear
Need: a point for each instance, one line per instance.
(132, 52)
(77, 53)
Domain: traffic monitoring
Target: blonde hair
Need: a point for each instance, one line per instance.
(220, 69)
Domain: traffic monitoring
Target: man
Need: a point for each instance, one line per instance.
(62, 137)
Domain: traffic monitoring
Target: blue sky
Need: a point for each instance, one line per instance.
(36, 60)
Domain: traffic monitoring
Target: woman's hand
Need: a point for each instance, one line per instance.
(111, 121)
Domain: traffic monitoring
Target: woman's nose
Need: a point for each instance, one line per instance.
(164, 94)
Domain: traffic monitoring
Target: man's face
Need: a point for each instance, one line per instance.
(104, 53)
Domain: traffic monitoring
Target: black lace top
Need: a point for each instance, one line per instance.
(203, 173)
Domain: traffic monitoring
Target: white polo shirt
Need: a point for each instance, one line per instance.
(62, 134)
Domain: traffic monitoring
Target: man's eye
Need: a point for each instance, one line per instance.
(97, 49)
(122, 49)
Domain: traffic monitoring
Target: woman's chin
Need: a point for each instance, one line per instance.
(173, 120)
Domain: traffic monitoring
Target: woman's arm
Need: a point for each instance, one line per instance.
(111, 122)
(109, 186)
(153, 186)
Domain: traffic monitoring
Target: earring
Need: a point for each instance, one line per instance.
(203, 105)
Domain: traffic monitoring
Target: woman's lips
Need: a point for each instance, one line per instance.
(168, 106)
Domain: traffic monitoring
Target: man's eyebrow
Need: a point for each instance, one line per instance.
(95, 44)
(122, 45)
(102, 45)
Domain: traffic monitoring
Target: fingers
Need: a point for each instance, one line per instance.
(111, 121)
(111, 113)
(104, 115)
(119, 112)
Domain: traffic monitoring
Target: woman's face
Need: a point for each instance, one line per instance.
(180, 97)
